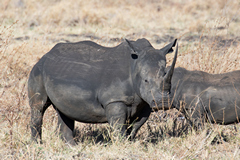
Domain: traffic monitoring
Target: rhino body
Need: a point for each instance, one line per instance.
(207, 97)
(90, 83)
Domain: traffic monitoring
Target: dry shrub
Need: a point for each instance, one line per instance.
(13, 77)
(207, 57)
(114, 17)
(210, 53)
(14, 112)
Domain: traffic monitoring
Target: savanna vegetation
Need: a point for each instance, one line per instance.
(209, 38)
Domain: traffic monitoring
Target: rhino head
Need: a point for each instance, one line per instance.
(152, 82)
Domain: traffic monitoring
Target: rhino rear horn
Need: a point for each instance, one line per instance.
(168, 75)
(168, 48)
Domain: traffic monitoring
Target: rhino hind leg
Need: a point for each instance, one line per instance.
(39, 102)
(36, 122)
(66, 128)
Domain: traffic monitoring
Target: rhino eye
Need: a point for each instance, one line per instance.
(146, 81)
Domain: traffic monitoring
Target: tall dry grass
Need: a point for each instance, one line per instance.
(208, 33)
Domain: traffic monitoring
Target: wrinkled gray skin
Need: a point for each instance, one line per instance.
(207, 97)
(90, 83)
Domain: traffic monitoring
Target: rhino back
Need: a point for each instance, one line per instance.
(183, 78)
(85, 61)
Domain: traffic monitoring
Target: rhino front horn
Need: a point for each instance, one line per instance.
(168, 76)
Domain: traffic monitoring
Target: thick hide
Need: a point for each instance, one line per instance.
(207, 97)
(90, 83)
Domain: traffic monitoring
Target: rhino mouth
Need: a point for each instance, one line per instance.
(161, 104)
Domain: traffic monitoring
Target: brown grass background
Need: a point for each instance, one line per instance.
(209, 36)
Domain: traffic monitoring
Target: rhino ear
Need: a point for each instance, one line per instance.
(134, 52)
(168, 48)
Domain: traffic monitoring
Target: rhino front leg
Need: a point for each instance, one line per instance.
(117, 114)
(139, 120)
(66, 128)
(196, 114)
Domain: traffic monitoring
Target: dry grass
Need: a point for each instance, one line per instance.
(209, 37)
